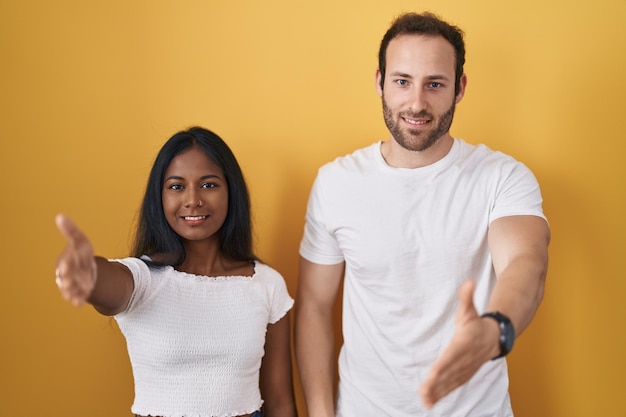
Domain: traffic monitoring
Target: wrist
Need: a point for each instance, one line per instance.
(506, 333)
(491, 334)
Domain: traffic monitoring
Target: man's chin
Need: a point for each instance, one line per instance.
(416, 142)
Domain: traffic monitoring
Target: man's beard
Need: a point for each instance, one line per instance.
(411, 139)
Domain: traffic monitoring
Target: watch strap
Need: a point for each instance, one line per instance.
(507, 333)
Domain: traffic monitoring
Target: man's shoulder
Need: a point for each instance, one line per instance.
(483, 154)
(355, 160)
(481, 163)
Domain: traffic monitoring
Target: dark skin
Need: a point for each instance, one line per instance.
(193, 200)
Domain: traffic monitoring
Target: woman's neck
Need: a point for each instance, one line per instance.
(208, 259)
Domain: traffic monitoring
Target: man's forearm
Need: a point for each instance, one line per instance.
(519, 290)
(315, 355)
(519, 248)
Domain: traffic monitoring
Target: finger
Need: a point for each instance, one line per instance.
(71, 290)
(76, 269)
(430, 390)
(426, 394)
(68, 228)
(450, 369)
(78, 254)
(466, 309)
(58, 280)
(443, 377)
(441, 382)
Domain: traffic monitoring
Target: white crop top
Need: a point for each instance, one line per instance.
(195, 343)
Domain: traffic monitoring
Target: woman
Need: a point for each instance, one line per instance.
(206, 323)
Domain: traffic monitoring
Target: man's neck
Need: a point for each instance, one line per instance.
(398, 157)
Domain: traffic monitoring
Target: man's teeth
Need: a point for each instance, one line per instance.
(194, 217)
(416, 122)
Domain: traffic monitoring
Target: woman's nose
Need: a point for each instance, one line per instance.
(193, 199)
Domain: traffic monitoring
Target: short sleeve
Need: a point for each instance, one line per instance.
(141, 277)
(280, 302)
(518, 194)
(318, 243)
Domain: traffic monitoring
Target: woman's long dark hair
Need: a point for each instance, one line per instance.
(154, 236)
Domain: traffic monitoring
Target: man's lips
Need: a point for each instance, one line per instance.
(415, 122)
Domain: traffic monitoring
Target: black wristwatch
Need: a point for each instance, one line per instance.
(507, 333)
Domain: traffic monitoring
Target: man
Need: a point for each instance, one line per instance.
(427, 233)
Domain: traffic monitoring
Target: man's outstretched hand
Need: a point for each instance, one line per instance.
(475, 341)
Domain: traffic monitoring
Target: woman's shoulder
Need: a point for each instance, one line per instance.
(143, 267)
(132, 262)
(263, 270)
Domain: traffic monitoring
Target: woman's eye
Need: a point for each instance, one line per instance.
(176, 187)
(208, 185)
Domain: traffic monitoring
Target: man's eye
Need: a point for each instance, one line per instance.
(402, 82)
(435, 84)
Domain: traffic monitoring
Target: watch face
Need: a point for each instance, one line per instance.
(507, 332)
(507, 337)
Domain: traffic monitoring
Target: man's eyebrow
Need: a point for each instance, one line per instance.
(432, 77)
(400, 74)
(438, 77)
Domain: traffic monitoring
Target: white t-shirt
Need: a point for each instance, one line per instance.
(409, 238)
(195, 343)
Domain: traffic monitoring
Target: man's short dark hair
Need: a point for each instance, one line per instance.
(426, 24)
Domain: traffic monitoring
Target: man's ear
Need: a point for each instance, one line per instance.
(379, 80)
(462, 86)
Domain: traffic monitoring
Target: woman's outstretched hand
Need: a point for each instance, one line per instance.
(76, 271)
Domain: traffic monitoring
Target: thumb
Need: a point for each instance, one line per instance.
(466, 309)
(68, 228)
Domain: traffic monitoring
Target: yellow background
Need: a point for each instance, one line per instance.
(89, 91)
